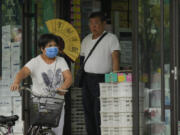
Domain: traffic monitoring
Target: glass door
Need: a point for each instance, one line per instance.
(175, 25)
(154, 62)
(35, 14)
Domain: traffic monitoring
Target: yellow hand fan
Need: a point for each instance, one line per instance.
(68, 33)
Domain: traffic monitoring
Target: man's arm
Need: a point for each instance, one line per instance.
(115, 60)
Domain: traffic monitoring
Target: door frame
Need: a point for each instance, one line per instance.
(135, 65)
(174, 77)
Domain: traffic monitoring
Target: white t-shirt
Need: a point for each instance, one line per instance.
(46, 77)
(100, 60)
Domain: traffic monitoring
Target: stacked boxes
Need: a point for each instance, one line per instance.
(111, 77)
(11, 102)
(17, 109)
(116, 107)
(77, 113)
(11, 105)
(118, 77)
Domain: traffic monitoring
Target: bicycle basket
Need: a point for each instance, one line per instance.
(45, 111)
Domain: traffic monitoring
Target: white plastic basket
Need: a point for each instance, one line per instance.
(123, 89)
(116, 131)
(122, 120)
(116, 104)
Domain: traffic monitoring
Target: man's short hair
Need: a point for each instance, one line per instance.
(99, 15)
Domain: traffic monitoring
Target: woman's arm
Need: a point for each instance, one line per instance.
(67, 81)
(22, 74)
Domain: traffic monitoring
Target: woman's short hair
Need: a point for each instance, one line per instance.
(46, 38)
(61, 43)
(98, 14)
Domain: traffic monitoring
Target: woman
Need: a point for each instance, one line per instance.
(48, 71)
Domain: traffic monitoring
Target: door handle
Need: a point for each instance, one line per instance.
(174, 71)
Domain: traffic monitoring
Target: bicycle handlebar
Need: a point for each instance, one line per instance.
(36, 95)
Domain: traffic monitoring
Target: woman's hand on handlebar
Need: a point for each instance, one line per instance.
(15, 86)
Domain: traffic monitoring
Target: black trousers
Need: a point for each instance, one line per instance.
(91, 102)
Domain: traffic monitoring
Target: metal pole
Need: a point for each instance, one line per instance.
(162, 61)
(135, 82)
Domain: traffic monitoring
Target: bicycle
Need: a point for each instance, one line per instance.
(45, 113)
(7, 123)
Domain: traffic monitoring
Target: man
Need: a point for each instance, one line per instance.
(104, 59)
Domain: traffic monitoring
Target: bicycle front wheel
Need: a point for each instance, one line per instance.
(33, 130)
(47, 132)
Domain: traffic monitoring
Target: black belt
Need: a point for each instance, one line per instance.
(94, 74)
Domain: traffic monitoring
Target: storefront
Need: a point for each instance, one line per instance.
(149, 36)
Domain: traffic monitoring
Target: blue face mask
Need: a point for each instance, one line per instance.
(51, 52)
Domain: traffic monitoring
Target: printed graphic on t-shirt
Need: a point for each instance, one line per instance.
(52, 80)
